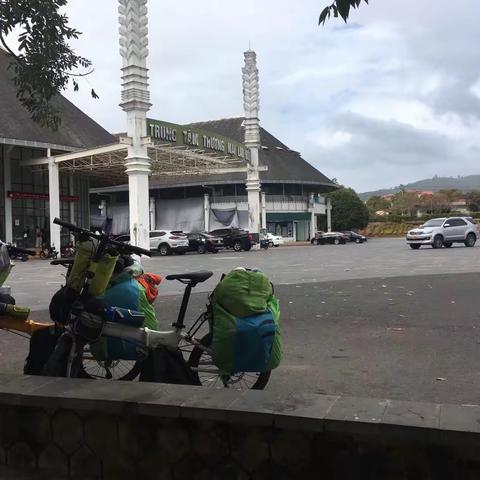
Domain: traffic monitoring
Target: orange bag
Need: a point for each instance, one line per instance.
(150, 282)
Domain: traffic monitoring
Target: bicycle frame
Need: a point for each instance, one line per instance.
(145, 336)
(153, 339)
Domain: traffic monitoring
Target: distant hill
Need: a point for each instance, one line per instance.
(469, 182)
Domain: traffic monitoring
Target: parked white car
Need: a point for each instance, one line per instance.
(443, 232)
(274, 240)
(164, 241)
(168, 241)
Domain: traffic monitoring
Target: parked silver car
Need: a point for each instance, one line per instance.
(439, 232)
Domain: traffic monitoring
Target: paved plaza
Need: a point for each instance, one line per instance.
(377, 320)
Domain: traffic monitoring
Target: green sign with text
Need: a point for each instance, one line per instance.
(195, 138)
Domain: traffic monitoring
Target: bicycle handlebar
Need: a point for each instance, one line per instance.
(121, 247)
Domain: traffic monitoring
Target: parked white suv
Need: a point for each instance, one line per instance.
(168, 241)
(440, 232)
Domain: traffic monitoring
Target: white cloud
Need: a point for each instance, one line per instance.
(391, 97)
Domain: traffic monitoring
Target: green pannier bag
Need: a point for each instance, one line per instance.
(81, 264)
(245, 323)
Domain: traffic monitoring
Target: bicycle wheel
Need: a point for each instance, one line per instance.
(239, 381)
(126, 370)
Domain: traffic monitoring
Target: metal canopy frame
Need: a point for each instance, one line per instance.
(108, 162)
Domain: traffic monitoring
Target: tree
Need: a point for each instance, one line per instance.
(45, 63)
(376, 203)
(439, 202)
(348, 211)
(473, 200)
(452, 194)
(404, 203)
(339, 7)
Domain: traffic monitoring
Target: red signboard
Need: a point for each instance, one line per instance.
(39, 196)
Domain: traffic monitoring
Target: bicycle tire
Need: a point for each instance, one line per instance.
(194, 361)
(129, 376)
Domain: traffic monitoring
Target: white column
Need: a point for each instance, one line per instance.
(7, 184)
(264, 210)
(136, 103)
(54, 201)
(313, 224)
(206, 211)
(329, 215)
(153, 213)
(251, 102)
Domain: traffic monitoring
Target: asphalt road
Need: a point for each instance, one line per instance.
(357, 319)
(35, 281)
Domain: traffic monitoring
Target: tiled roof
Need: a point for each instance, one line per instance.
(284, 165)
(77, 130)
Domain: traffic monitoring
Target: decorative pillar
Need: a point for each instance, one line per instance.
(329, 215)
(251, 103)
(136, 103)
(7, 184)
(206, 211)
(153, 213)
(54, 200)
(264, 210)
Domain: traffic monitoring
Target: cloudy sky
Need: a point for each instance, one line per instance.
(392, 97)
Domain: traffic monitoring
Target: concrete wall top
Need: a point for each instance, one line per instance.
(298, 411)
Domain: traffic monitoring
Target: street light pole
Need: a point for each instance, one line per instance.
(136, 103)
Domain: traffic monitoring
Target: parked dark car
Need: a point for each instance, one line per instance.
(334, 238)
(204, 242)
(354, 236)
(124, 238)
(235, 238)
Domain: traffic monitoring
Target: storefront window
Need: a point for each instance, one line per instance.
(30, 214)
(285, 229)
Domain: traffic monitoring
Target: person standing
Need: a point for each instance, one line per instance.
(38, 238)
(26, 236)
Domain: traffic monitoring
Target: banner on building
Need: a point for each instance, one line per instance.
(39, 196)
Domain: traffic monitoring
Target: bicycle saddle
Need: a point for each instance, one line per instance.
(62, 261)
(194, 277)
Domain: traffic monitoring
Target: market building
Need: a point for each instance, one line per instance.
(291, 188)
(24, 191)
(157, 175)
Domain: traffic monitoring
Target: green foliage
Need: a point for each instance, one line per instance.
(388, 229)
(45, 60)
(374, 204)
(339, 8)
(451, 194)
(404, 203)
(473, 200)
(348, 211)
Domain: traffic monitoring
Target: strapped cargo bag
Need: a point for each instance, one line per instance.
(245, 323)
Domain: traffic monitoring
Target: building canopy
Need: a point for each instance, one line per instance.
(174, 150)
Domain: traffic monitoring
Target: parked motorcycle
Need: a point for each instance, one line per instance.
(68, 251)
(48, 252)
(18, 253)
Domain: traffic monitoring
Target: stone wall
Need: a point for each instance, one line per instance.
(69, 429)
